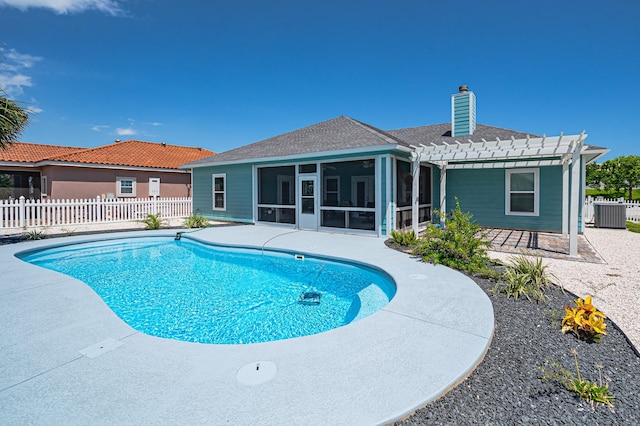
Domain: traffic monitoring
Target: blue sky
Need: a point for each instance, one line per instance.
(221, 74)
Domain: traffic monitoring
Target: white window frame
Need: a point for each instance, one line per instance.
(43, 186)
(224, 191)
(536, 192)
(119, 181)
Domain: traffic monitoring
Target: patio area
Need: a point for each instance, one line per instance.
(543, 244)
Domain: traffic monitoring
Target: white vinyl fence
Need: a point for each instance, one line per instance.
(24, 213)
(633, 208)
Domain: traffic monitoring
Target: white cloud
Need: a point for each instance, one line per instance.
(99, 127)
(22, 60)
(125, 131)
(12, 66)
(110, 7)
(34, 110)
(13, 84)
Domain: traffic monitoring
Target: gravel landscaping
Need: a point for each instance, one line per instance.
(507, 388)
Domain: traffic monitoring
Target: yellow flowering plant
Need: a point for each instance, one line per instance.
(584, 320)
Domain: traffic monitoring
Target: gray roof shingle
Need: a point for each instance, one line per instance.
(339, 133)
(440, 133)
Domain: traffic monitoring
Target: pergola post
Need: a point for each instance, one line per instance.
(575, 195)
(565, 198)
(443, 193)
(415, 194)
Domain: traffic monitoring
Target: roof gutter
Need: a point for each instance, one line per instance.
(108, 166)
(17, 164)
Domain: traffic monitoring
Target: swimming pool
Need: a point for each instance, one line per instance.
(186, 290)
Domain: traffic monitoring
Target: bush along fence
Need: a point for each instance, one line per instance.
(23, 213)
(633, 208)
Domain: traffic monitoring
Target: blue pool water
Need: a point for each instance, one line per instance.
(189, 291)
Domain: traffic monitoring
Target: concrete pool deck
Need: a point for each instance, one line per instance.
(67, 358)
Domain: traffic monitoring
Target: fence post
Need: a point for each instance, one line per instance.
(97, 209)
(22, 212)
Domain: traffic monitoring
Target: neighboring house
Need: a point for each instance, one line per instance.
(345, 175)
(122, 169)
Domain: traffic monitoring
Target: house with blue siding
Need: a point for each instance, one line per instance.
(348, 176)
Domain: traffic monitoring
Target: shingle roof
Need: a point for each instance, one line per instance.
(344, 133)
(131, 153)
(23, 152)
(441, 133)
(339, 133)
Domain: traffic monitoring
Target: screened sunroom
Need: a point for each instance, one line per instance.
(336, 194)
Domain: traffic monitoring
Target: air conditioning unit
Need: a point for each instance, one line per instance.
(610, 215)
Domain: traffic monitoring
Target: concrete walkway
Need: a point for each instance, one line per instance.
(67, 358)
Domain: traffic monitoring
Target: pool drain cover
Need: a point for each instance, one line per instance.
(310, 298)
(256, 373)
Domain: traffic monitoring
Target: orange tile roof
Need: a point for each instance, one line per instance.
(33, 152)
(130, 153)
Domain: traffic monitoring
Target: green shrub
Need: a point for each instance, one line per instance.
(460, 245)
(34, 235)
(153, 221)
(196, 221)
(404, 238)
(613, 194)
(524, 277)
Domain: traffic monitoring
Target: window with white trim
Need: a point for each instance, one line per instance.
(126, 186)
(43, 186)
(219, 182)
(523, 192)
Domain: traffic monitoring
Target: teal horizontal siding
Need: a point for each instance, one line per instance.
(482, 193)
(461, 101)
(239, 185)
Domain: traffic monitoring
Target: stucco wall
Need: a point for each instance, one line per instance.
(80, 182)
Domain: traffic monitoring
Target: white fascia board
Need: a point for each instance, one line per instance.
(110, 167)
(301, 157)
(597, 154)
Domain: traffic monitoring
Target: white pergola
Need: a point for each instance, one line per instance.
(512, 153)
